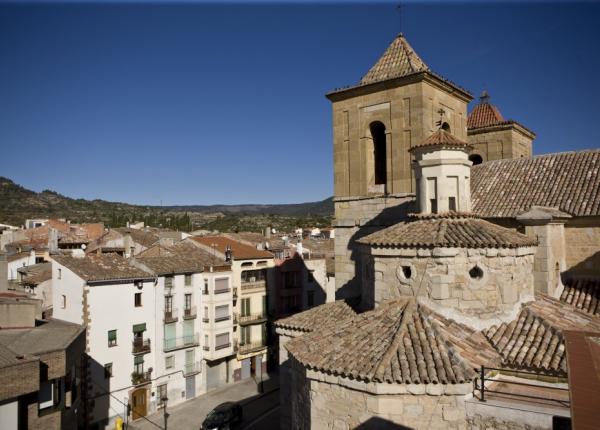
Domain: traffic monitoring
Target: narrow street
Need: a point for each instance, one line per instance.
(189, 415)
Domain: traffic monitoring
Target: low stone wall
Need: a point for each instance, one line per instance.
(484, 423)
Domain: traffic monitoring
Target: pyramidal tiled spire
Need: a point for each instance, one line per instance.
(484, 114)
(398, 60)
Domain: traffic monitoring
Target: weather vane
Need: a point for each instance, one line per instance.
(399, 9)
(441, 112)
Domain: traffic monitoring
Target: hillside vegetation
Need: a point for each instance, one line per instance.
(18, 204)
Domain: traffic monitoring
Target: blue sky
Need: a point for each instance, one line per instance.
(196, 103)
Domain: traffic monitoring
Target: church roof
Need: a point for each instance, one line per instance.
(442, 138)
(583, 294)
(448, 231)
(318, 317)
(398, 60)
(399, 342)
(534, 340)
(569, 181)
(484, 114)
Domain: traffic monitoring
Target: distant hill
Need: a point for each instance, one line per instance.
(18, 203)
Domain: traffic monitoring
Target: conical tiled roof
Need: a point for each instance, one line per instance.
(447, 231)
(397, 61)
(443, 138)
(485, 115)
(399, 342)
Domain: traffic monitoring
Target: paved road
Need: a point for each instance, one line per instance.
(189, 415)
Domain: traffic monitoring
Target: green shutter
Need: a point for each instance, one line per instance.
(138, 359)
(139, 327)
(112, 335)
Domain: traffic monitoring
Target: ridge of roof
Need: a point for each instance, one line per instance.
(318, 317)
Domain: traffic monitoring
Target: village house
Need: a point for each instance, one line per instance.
(40, 368)
(469, 261)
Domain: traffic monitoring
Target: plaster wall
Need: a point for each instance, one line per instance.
(68, 284)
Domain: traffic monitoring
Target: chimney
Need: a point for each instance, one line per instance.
(268, 232)
(228, 254)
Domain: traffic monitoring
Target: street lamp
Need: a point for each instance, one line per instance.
(164, 399)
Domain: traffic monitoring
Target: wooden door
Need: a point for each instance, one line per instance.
(139, 403)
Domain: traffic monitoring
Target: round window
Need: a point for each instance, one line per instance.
(407, 272)
(476, 273)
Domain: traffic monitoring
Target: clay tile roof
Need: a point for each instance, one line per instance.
(484, 115)
(447, 231)
(534, 340)
(398, 60)
(102, 267)
(396, 343)
(584, 294)
(569, 181)
(241, 251)
(50, 336)
(444, 139)
(173, 264)
(318, 317)
(145, 237)
(35, 274)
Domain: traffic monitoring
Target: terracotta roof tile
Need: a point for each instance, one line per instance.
(569, 181)
(396, 343)
(241, 251)
(101, 267)
(583, 294)
(318, 317)
(398, 60)
(36, 273)
(443, 139)
(448, 231)
(484, 115)
(534, 340)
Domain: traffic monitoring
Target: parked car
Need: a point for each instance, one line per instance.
(224, 417)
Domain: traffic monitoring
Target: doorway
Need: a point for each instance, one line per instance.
(138, 400)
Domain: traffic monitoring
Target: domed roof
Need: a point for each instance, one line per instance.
(450, 230)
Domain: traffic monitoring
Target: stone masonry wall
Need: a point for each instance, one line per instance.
(337, 407)
(582, 238)
(478, 422)
(357, 217)
(441, 277)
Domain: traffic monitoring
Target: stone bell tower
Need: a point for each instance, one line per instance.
(375, 123)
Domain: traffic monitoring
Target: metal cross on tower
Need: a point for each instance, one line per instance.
(441, 112)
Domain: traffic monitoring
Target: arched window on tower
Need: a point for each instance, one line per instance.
(379, 152)
(446, 127)
(476, 159)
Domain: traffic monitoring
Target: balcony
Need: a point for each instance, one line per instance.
(140, 378)
(192, 368)
(170, 315)
(248, 348)
(181, 342)
(189, 313)
(140, 346)
(251, 319)
(253, 285)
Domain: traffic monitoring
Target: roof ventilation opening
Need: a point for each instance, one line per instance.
(476, 273)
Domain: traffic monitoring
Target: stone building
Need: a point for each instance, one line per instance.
(465, 276)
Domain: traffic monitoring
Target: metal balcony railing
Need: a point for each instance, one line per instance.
(251, 347)
(252, 318)
(141, 378)
(140, 346)
(170, 315)
(189, 313)
(253, 285)
(181, 342)
(192, 368)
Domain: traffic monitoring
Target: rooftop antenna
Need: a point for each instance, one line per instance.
(439, 122)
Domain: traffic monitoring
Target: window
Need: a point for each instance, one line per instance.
(432, 194)
(168, 282)
(169, 361)
(59, 273)
(445, 127)
(476, 273)
(253, 276)
(379, 152)
(452, 204)
(64, 301)
(161, 393)
(221, 313)
(407, 272)
(205, 313)
(206, 345)
(205, 286)
(222, 285)
(264, 306)
(168, 304)
(245, 307)
(112, 338)
(310, 298)
(137, 300)
(188, 302)
(49, 394)
(476, 159)
(188, 279)
(244, 335)
(138, 364)
(222, 341)
(108, 370)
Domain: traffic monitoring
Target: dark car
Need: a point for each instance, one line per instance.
(225, 416)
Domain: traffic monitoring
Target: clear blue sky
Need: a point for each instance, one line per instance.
(197, 103)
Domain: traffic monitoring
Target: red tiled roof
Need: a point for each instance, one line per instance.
(569, 181)
(240, 251)
(583, 294)
(484, 115)
(442, 138)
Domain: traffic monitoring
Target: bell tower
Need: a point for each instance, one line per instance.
(375, 123)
